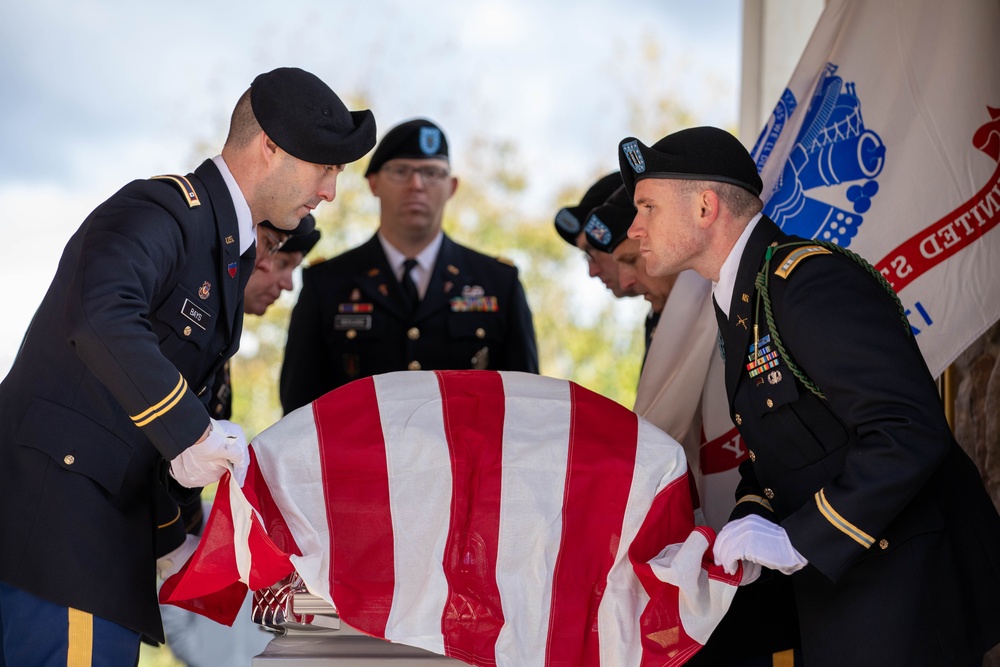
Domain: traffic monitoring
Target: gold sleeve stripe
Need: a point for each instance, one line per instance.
(164, 406)
(797, 256)
(760, 500)
(80, 638)
(172, 521)
(842, 524)
(190, 196)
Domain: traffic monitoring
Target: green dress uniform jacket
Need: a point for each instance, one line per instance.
(902, 540)
(352, 321)
(145, 307)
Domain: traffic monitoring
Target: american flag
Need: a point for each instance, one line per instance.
(499, 518)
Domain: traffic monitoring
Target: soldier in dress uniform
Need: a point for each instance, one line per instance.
(606, 230)
(409, 298)
(855, 488)
(107, 398)
(569, 225)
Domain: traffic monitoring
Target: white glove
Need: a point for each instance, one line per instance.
(205, 462)
(757, 540)
(167, 566)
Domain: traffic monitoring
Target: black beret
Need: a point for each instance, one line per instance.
(695, 154)
(607, 225)
(307, 120)
(417, 139)
(570, 220)
(301, 242)
(306, 225)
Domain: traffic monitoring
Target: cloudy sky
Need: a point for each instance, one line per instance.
(95, 93)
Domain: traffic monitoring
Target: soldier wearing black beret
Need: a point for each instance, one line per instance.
(106, 403)
(569, 224)
(855, 489)
(409, 298)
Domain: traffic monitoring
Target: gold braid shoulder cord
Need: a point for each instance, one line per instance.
(763, 294)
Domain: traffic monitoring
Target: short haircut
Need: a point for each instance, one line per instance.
(741, 202)
(243, 126)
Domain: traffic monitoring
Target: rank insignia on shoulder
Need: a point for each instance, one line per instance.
(505, 260)
(190, 196)
(372, 273)
(796, 256)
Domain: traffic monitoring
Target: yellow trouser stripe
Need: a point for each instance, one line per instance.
(81, 639)
(164, 406)
(842, 524)
(783, 659)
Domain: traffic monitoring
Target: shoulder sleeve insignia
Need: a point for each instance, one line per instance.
(190, 196)
(506, 260)
(796, 256)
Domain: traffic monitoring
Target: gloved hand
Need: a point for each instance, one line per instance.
(205, 462)
(757, 540)
(168, 565)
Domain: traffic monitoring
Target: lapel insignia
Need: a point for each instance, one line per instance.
(774, 377)
(232, 269)
(230, 240)
(372, 273)
(452, 269)
(448, 285)
(205, 290)
(746, 298)
(355, 294)
(383, 290)
(741, 321)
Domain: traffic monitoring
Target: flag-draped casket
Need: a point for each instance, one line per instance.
(499, 518)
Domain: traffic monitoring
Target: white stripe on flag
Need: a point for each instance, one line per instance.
(416, 448)
(535, 451)
(288, 456)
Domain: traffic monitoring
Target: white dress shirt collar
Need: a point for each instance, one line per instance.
(723, 289)
(425, 261)
(244, 221)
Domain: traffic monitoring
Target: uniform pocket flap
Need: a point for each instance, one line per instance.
(188, 316)
(92, 450)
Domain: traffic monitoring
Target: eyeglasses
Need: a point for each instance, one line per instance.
(401, 173)
(272, 242)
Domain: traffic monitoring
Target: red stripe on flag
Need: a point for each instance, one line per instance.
(600, 464)
(356, 487)
(473, 410)
(669, 521)
(258, 494)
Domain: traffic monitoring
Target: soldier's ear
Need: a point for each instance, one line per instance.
(373, 183)
(708, 207)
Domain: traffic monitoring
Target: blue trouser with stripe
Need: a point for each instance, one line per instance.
(38, 633)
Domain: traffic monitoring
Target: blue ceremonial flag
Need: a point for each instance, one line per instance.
(887, 141)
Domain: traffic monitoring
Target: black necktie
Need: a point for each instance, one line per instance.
(410, 287)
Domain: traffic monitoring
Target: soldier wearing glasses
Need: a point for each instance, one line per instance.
(410, 297)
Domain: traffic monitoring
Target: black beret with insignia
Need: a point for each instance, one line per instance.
(570, 220)
(307, 120)
(607, 225)
(695, 154)
(417, 139)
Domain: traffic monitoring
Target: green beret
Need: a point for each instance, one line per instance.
(694, 154)
(307, 120)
